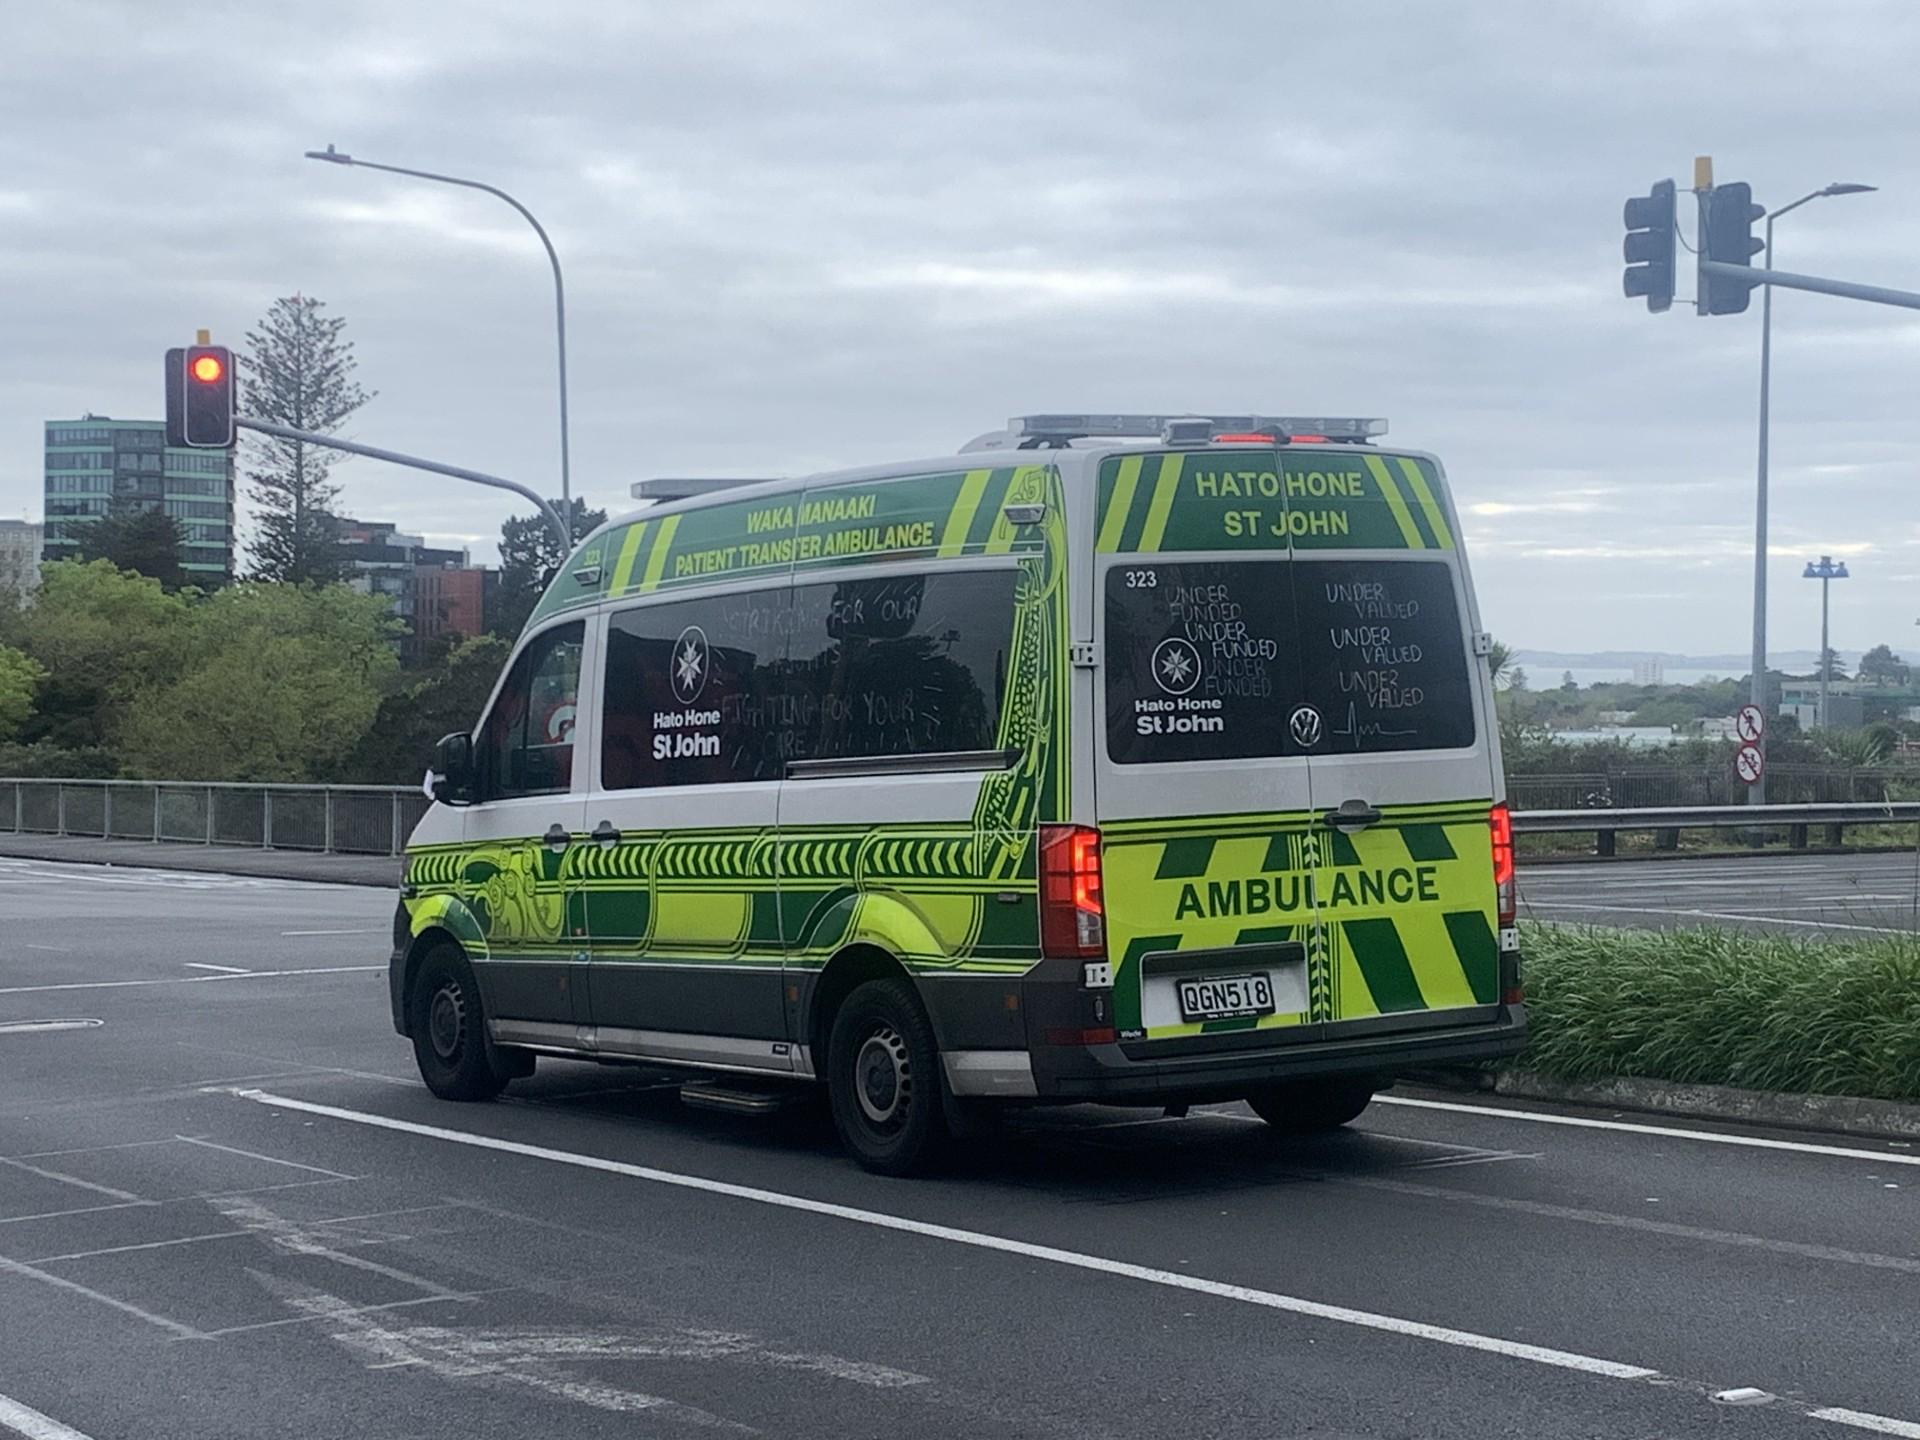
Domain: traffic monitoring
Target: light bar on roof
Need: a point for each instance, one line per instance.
(670, 487)
(1334, 427)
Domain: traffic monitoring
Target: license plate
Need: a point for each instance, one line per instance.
(1225, 997)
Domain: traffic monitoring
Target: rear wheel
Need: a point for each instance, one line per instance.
(1304, 1107)
(449, 1029)
(883, 1079)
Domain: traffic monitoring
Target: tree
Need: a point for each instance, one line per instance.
(1830, 666)
(20, 676)
(530, 557)
(1517, 679)
(106, 637)
(438, 701)
(1883, 667)
(278, 683)
(299, 373)
(1498, 658)
(147, 542)
(1567, 681)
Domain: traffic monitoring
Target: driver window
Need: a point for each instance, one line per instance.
(525, 747)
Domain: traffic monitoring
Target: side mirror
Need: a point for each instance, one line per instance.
(450, 780)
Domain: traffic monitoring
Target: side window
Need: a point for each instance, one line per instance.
(525, 745)
(692, 692)
(906, 665)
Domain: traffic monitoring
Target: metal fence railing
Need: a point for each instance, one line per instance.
(1667, 821)
(1638, 787)
(341, 819)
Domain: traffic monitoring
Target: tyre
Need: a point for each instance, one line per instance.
(449, 1029)
(1308, 1106)
(883, 1079)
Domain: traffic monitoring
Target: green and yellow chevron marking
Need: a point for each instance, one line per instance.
(1396, 917)
(1243, 498)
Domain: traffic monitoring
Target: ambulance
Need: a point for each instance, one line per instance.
(1135, 759)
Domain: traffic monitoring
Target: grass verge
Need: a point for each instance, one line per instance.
(1725, 1007)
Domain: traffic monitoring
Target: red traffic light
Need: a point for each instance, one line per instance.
(207, 369)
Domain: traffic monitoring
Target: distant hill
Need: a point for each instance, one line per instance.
(1788, 660)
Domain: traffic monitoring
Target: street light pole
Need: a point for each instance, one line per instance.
(1826, 572)
(1757, 792)
(339, 157)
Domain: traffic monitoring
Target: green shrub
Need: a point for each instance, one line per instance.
(1725, 1007)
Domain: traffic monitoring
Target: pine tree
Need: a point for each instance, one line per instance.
(530, 556)
(298, 373)
(146, 542)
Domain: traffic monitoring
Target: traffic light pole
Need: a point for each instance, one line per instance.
(394, 457)
(1787, 280)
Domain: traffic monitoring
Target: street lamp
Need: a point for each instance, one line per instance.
(1826, 572)
(1757, 792)
(339, 157)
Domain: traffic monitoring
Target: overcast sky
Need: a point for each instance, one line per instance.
(807, 235)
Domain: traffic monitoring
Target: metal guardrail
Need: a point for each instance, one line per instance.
(337, 819)
(1635, 787)
(1667, 821)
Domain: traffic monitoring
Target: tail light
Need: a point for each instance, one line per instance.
(1073, 921)
(1501, 823)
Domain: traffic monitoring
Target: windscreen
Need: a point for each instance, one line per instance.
(1231, 660)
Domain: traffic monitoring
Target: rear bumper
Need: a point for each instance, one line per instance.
(1229, 1067)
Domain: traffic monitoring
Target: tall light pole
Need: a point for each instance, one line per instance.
(1826, 572)
(1757, 792)
(339, 157)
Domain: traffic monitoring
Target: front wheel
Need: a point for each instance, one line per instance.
(1304, 1107)
(883, 1079)
(449, 1029)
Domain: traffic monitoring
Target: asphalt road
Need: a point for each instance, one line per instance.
(1858, 894)
(227, 1208)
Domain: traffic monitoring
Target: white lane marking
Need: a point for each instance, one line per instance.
(1703, 915)
(1708, 1137)
(1266, 1299)
(35, 1027)
(60, 1282)
(218, 969)
(54, 949)
(27, 1421)
(147, 1245)
(1862, 1420)
(79, 1210)
(254, 1155)
(468, 1298)
(192, 979)
(90, 1149)
(1609, 1220)
(65, 1179)
(372, 930)
(289, 1235)
(1492, 1157)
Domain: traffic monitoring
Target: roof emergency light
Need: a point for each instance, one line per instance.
(1189, 429)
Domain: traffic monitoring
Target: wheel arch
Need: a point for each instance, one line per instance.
(851, 967)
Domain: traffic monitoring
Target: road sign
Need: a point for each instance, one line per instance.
(1748, 764)
(1750, 724)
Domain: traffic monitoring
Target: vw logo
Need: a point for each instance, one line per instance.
(1305, 725)
(1176, 665)
(688, 673)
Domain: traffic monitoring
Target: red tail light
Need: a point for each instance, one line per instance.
(1501, 823)
(1073, 920)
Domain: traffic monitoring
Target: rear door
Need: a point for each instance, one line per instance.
(1205, 804)
(1296, 755)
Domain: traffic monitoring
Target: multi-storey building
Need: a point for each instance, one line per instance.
(433, 590)
(19, 557)
(96, 465)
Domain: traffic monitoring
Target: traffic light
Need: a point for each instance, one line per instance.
(1727, 213)
(1649, 246)
(200, 387)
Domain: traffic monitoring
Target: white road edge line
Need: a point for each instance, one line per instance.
(373, 930)
(27, 1421)
(1708, 1137)
(218, 969)
(191, 979)
(1266, 1299)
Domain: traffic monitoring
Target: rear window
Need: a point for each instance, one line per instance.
(1249, 659)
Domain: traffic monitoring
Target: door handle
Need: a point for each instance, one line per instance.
(606, 833)
(557, 837)
(1351, 815)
